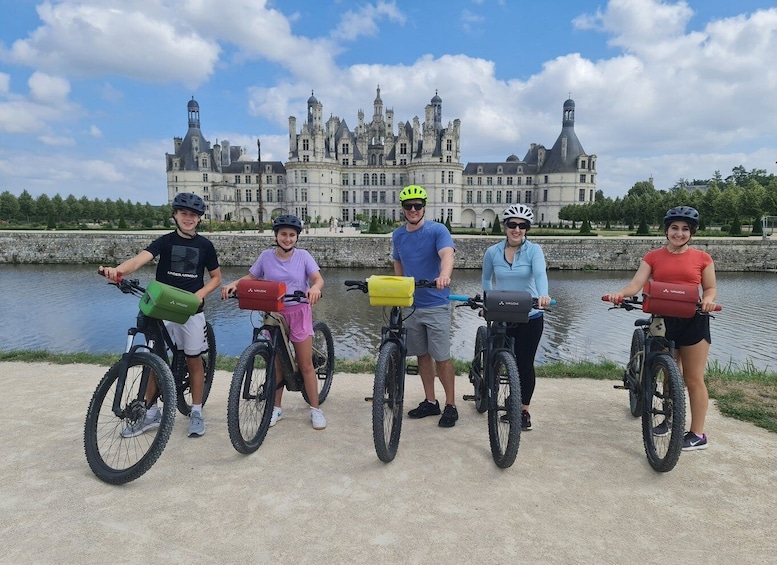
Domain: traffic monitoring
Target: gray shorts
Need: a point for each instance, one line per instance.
(190, 336)
(429, 331)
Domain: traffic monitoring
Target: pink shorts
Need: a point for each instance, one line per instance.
(300, 320)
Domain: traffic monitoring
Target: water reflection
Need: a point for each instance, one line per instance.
(69, 308)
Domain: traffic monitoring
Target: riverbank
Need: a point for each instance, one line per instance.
(743, 393)
(580, 484)
(354, 250)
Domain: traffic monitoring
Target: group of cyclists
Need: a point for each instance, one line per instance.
(424, 249)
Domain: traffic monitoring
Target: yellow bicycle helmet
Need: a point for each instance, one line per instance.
(412, 192)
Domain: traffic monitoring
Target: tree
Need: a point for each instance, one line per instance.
(9, 206)
(43, 208)
(26, 207)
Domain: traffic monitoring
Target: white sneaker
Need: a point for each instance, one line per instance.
(277, 414)
(317, 417)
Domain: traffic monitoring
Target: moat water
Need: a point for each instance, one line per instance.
(70, 309)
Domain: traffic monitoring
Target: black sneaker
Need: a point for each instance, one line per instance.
(691, 441)
(425, 409)
(661, 429)
(449, 416)
(525, 420)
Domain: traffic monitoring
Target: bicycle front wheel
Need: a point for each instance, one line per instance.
(251, 397)
(121, 447)
(323, 360)
(635, 371)
(663, 416)
(504, 410)
(387, 399)
(208, 365)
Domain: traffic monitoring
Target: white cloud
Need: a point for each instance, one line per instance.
(365, 20)
(5, 83)
(57, 140)
(94, 131)
(148, 43)
(48, 90)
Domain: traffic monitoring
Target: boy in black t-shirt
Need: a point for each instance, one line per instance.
(184, 255)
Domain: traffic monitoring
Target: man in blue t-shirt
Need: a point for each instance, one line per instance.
(424, 250)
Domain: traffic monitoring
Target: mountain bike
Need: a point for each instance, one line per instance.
(389, 386)
(120, 400)
(656, 388)
(252, 391)
(494, 372)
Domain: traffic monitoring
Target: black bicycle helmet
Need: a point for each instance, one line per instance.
(189, 201)
(287, 220)
(683, 214)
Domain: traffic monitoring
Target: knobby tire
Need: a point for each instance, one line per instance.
(504, 410)
(661, 404)
(116, 459)
(251, 398)
(387, 399)
(477, 375)
(635, 369)
(323, 361)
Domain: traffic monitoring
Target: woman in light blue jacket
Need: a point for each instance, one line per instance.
(518, 264)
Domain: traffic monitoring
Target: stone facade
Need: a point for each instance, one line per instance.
(363, 251)
(334, 171)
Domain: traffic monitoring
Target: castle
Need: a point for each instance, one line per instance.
(335, 172)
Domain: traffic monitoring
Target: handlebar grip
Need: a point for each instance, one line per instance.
(101, 272)
(717, 308)
(552, 302)
(606, 298)
(458, 297)
(352, 283)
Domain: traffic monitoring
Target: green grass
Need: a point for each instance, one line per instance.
(742, 392)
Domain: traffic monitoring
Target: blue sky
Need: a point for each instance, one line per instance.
(93, 92)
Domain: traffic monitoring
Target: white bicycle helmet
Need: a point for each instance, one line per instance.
(518, 211)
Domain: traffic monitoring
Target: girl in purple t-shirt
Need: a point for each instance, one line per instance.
(297, 268)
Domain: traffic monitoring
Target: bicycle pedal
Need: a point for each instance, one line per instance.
(411, 369)
(368, 399)
(620, 387)
(468, 397)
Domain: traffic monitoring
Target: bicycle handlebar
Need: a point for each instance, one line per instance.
(127, 286)
(477, 301)
(362, 284)
(632, 303)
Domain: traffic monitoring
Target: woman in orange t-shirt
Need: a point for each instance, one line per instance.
(679, 263)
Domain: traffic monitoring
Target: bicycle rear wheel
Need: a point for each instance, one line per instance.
(476, 371)
(251, 396)
(208, 365)
(663, 417)
(387, 399)
(113, 454)
(323, 360)
(635, 370)
(504, 410)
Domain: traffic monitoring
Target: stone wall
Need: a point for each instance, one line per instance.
(363, 251)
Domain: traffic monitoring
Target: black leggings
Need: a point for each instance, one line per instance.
(527, 340)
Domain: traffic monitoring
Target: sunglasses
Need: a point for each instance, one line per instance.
(416, 206)
(522, 225)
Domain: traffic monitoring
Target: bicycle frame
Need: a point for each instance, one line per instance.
(277, 338)
(498, 340)
(656, 343)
